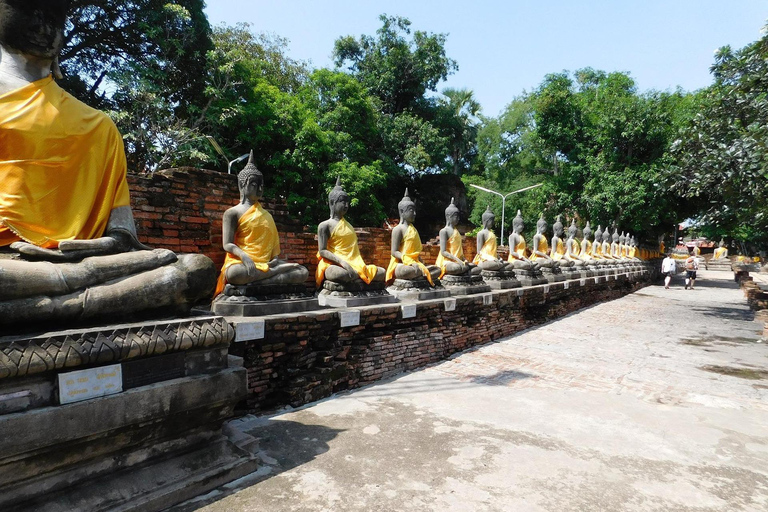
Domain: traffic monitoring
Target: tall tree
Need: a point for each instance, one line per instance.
(721, 157)
(458, 115)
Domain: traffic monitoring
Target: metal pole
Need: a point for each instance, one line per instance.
(503, 209)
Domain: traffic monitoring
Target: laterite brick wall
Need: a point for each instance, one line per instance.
(306, 357)
(181, 210)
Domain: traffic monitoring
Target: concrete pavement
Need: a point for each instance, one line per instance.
(654, 402)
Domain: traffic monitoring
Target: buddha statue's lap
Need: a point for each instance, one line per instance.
(487, 258)
(252, 243)
(451, 259)
(75, 259)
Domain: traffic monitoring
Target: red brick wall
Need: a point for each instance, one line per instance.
(306, 357)
(181, 210)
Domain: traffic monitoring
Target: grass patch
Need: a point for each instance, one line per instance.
(742, 373)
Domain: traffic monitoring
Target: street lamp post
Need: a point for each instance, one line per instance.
(504, 202)
(224, 156)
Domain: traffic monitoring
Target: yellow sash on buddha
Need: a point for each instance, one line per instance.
(488, 250)
(62, 167)
(623, 250)
(454, 247)
(559, 250)
(411, 249)
(720, 253)
(343, 243)
(257, 236)
(597, 252)
(518, 249)
(587, 252)
(543, 247)
(632, 252)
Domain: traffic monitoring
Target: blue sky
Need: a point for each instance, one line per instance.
(506, 47)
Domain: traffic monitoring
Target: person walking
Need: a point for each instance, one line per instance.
(691, 266)
(668, 268)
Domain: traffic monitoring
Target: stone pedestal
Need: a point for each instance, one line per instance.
(260, 300)
(530, 277)
(347, 295)
(722, 264)
(500, 280)
(465, 285)
(552, 275)
(418, 289)
(140, 427)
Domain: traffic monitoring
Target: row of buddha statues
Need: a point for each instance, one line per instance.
(251, 241)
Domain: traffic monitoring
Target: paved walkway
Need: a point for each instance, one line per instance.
(656, 401)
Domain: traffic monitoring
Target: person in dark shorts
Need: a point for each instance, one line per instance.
(691, 266)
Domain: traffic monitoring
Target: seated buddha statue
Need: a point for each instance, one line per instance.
(721, 252)
(451, 257)
(405, 262)
(540, 251)
(487, 257)
(518, 247)
(573, 247)
(250, 238)
(633, 252)
(338, 254)
(606, 248)
(68, 244)
(557, 251)
(585, 250)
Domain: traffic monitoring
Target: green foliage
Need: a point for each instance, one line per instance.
(721, 158)
(395, 70)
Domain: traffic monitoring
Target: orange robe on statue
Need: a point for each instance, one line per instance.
(62, 167)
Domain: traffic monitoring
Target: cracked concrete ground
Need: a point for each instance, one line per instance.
(653, 402)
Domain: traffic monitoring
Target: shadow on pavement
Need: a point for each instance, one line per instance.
(741, 314)
(282, 446)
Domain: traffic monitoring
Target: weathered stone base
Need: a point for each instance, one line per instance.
(155, 442)
(552, 275)
(500, 280)
(530, 277)
(721, 265)
(465, 285)
(263, 305)
(353, 299)
(416, 290)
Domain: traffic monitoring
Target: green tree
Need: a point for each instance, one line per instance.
(721, 158)
(459, 116)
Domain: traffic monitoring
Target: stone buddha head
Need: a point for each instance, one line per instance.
(250, 181)
(517, 223)
(722, 243)
(572, 229)
(338, 200)
(488, 218)
(607, 235)
(615, 237)
(406, 208)
(588, 231)
(541, 225)
(622, 238)
(33, 27)
(452, 215)
(557, 227)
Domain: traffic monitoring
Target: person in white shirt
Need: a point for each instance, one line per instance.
(669, 269)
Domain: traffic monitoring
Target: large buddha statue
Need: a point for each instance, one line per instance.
(606, 248)
(250, 238)
(68, 245)
(721, 252)
(338, 254)
(405, 263)
(540, 253)
(487, 257)
(573, 248)
(451, 257)
(557, 250)
(585, 250)
(518, 247)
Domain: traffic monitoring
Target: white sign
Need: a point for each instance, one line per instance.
(487, 299)
(582, 282)
(450, 304)
(597, 280)
(546, 288)
(520, 292)
(408, 310)
(566, 284)
(249, 331)
(350, 318)
(91, 383)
